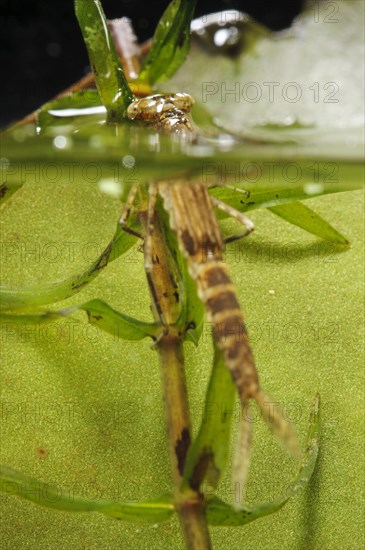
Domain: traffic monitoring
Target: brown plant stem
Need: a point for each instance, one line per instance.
(161, 278)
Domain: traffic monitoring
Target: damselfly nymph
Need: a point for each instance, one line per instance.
(191, 214)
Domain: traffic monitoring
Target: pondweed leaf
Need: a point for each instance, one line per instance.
(99, 314)
(171, 42)
(220, 513)
(208, 455)
(304, 217)
(109, 76)
(48, 293)
(54, 496)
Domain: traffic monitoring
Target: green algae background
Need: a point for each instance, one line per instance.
(84, 411)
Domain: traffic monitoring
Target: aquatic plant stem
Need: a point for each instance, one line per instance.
(161, 276)
(189, 504)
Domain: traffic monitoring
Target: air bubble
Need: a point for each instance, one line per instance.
(128, 161)
(62, 142)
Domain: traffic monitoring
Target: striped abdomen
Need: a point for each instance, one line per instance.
(192, 218)
(223, 310)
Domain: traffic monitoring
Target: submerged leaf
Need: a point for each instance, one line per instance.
(283, 202)
(54, 496)
(47, 293)
(171, 42)
(220, 513)
(208, 455)
(304, 217)
(106, 318)
(192, 317)
(99, 314)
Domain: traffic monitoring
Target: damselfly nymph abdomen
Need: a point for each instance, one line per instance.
(193, 219)
(165, 112)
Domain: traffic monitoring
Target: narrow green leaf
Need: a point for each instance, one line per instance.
(220, 513)
(47, 293)
(284, 203)
(171, 42)
(106, 318)
(154, 511)
(208, 455)
(99, 314)
(109, 76)
(54, 496)
(304, 217)
(193, 311)
(246, 197)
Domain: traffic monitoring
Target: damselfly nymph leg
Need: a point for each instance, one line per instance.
(244, 220)
(123, 222)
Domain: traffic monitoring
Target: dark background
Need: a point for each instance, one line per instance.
(42, 51)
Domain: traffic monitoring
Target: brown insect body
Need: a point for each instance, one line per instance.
(192, 218)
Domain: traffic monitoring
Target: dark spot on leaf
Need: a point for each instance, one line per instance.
(250, 203)
(103, 260)
(94, 317)
(206, 459)
(181, 449)
(3, 190)
(177, 297)
(76, 286)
